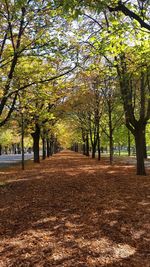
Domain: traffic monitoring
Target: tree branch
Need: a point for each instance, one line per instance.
(42, 81)
(11, 109)
(127, 12)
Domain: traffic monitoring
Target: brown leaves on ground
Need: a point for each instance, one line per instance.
(73, 211)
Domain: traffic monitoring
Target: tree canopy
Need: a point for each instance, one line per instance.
(81, 63)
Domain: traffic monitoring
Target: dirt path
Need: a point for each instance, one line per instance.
(75, 212)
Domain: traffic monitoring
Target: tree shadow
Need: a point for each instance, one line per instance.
(53, 218)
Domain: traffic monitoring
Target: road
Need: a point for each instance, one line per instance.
(7, 160)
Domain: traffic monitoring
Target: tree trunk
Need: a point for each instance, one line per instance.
(54, 146)
(139, 143)
(19, 148)
(0, 149)
(84, 149)
(44, 148)
(111, 149)
(93, 151)
(119, 149)
(98, 147)
(48, 147)
(77, 148)
(129, 144)
(22, 142)
(144, 146)
(15, 149)
(51, 147)
(110, 132)
(84, 144)
(87, 146)
(36, 140)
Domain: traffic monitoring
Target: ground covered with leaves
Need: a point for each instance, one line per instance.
(75, 212)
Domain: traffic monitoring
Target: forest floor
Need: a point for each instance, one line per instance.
(73, 211)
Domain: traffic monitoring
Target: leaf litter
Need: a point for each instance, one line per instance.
(73, 211)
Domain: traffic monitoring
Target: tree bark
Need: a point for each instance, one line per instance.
(51, 147)
(139, 143)
(87, 145)
(111, 149)
(84, 149)
(36, 140)
(48, 147)
(93, 151)
(56, 147)
(98, 147)
(77, 148)
(144, 146)
(129, 144)
(44, 148)
(119, 149)
(84, 144)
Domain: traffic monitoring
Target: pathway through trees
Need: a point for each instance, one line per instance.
(73, 211)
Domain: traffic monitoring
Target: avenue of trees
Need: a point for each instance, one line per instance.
(75, 74)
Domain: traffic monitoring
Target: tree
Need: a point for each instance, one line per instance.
(25, 32)
(113, 113)
(133, 75)
(135, 10)
(135, 91)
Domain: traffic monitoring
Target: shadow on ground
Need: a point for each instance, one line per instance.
(72, 211)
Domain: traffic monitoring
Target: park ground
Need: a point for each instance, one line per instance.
(75, 212)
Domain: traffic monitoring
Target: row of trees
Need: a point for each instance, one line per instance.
(122, 77)
(32, 56)
(87, 60)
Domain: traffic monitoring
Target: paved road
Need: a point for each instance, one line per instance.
(7, 160)
(132, 161)
(126, 160)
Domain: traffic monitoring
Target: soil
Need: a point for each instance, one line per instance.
(73, 211)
